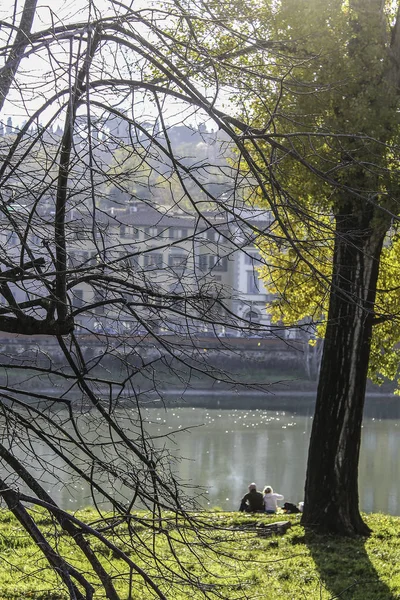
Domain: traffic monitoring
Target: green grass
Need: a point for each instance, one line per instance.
(298, 565)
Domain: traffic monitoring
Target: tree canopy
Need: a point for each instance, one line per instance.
(317, 84)
(337, 212)
(348, 121)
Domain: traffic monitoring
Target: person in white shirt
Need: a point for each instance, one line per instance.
(271, 500)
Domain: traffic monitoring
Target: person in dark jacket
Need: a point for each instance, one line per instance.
(253, 501)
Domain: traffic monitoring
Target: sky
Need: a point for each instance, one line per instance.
(32, 69)
(35, 80)
(55, 11)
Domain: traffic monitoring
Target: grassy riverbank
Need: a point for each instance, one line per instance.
(295, 566)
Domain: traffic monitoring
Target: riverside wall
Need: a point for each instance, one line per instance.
(259, 373)
(233, 353)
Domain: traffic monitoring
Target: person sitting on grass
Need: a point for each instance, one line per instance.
(271, 500)
(253, 501)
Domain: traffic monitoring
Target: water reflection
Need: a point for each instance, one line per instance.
(223, 450)
(236, 447)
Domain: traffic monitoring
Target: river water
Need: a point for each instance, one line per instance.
(226, 449)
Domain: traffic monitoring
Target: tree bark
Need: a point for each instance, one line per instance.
(60, 566)
(331, 490)
(22, 40)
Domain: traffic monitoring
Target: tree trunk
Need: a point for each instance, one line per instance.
(14, 57)
(331, 490)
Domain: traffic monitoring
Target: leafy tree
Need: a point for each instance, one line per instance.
(317, 85)
(332, 177)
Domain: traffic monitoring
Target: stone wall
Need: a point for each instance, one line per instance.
(232, 352)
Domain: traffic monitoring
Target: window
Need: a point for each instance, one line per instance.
(99, 296)
(182, 233)
(36, 240)
(72, 260)
(203, 262)
(153, 259)
(131, 262)
(126, 231)
(81, 235)
(252, 316)
(177, 260)
(13, 239)
(251, 258)
(219, 263)
(252, 283)
(134, 262)
(77, 260)
(252, 240)
(177, 233)
(177, 288)
(77, 298)
(101, 232)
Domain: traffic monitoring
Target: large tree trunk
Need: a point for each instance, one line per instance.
(331, 491)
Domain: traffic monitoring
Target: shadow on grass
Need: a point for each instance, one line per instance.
(345, 569)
